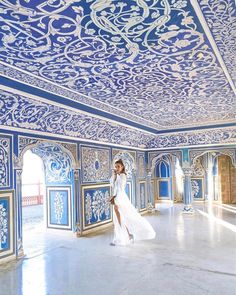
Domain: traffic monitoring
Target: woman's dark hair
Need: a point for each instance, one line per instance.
(121, 163)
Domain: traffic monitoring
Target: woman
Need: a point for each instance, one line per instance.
(129, 225)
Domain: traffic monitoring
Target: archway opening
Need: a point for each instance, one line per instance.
(214, 178)
(167, 179)
(33, 199)
(226, 180)
(47, 196)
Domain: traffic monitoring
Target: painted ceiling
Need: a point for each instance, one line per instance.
(156, 65)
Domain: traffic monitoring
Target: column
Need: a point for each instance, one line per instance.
(209, 172)
(136, 190)
(78, 204)
(19, 225)
(188, 198)
(150, 197)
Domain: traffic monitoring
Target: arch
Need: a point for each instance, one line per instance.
(155, 160)
(163, 168)
(128, 160)
(227, 152)
(37, 144)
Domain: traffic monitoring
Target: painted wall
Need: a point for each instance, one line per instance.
(77, 182)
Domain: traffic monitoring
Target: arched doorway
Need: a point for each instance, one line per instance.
(167, 177)
(33, 199)
(226, 180)
(217, 172)
(59, 193)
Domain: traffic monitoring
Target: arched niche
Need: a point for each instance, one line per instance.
(129, 162)
(211, 184)
(165, 183)
(39, 147)
(194, 155)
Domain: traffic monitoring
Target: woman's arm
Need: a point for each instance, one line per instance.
(112, 182)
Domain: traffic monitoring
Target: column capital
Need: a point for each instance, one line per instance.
(17, 162)
(149, 172)
(76, 174)
(188, 171)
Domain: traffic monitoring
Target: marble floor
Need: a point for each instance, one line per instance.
(191, 255)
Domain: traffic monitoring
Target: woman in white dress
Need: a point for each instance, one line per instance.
(129, 225)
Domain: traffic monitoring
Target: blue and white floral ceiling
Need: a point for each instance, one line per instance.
(160, 65)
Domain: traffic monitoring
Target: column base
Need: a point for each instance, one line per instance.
(21, 254)
(188, 209)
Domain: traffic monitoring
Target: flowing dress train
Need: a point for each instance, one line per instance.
(131, 220)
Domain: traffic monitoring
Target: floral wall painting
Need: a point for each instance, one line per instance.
(59, 207)
(7, 234)
(96, 207)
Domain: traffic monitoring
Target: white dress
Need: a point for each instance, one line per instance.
(137, 225)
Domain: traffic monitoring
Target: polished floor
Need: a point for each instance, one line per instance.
(191, 255)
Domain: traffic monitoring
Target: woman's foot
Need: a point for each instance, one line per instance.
(131, 238)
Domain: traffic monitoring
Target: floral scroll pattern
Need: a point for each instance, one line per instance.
(195, 188)
(3, 226)
(95, 164)
(58, 207)
(149, 59)
(4, 162)
(97, 206)
(221, 18)
(57, 163)
(22, 112)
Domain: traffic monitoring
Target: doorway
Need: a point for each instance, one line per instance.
(226, 180)
(33, 200)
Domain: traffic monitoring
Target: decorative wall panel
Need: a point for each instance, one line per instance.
(59, 207)
(57, 163)
(141, 166)
(197, 188)
(142, 192)
(96, 207)
(95, 164)
(7, 215)
(197, 167)
(5, 162)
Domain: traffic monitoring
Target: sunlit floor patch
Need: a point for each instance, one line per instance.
(229, 206)
(218, 220)
(225, 208)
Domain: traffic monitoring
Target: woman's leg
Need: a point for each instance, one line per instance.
(118, 217)
(117, 213)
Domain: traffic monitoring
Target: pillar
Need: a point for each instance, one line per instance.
(19, 225)
(188, 198)
(136, 190)
(150, 196)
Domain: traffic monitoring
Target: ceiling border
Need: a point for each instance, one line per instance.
(208, 33)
